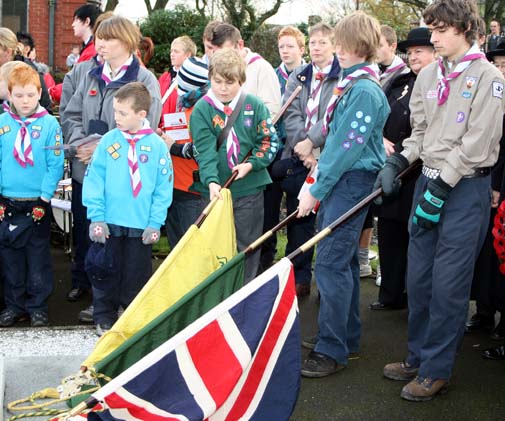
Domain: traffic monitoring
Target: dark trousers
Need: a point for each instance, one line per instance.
(134, 268)
(81, 241)
(28, 273)
(273, 198)
(299, 231)
(182, 213)
(440, 270)
(393, 239)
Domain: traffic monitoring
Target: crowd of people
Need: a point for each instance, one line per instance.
(148, 153)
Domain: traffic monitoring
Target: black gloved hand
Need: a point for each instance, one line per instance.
(40, 210)
(386, 178)
(429, 208)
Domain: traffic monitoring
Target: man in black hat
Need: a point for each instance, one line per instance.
(393, 236)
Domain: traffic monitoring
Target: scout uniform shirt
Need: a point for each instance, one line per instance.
(255, 132)
(107, 190)
(463, 133)
(41, 178)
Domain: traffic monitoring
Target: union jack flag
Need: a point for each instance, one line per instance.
(239, 361)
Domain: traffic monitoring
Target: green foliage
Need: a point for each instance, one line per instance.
(165, 25)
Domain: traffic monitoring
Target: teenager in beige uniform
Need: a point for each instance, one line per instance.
(456, 110)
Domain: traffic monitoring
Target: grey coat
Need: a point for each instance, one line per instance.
(93, 101)
(295, 115)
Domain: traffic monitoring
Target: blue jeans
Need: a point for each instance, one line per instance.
(132, 259)
(28, 271)
(337, 267)
(439, 277)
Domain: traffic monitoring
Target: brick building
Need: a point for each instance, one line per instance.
(34, 16)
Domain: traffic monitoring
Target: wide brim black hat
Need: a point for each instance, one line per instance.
(417, 37)
(498, 51)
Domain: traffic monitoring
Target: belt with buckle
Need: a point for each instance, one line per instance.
(433, 173)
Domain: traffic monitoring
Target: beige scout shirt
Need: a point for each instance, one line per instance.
(463, 133)
(262, 81)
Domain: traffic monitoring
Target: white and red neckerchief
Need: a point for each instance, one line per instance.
(312, 107)
(397, 65)
(23, 152)
(107, 71)
(133, 164)
(232, 142)
(371, 69)
(443, 87)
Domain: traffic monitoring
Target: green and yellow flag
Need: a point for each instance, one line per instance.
(197, 255)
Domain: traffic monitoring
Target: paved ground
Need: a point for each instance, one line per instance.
(359, 392)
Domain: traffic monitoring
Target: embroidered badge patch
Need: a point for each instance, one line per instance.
(346, 145)
(431, 94)
(360, 140)
(466, 94)
(112, 150)
(143, 158)
(163, 161)
(498, 90)
(218, 121)
(460, 117)
(1, 131)
(35, 134)
(7, 129)
(248, 122)
(470, 81)
(145, 148)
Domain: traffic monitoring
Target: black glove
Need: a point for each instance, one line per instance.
(428, 210)
(386, 178)
(40, 210)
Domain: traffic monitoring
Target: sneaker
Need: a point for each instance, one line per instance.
(378, 279)
(319, 365)
(372, 254)
(86, 315)
(400, 371)
(39, 319)
(102, 328)
(421, 390)
(365, 270)
(8, 318)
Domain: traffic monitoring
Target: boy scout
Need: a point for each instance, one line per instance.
(456, 110)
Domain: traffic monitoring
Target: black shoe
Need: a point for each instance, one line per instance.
(479, 322)
(379, 306)
(498, 334)
(319, 365)
(75, 293)
(497, 353)
(39, 319)
(8, 318)
(309, 342)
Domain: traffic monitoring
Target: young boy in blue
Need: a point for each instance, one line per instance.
(348, 166)
(29, 174)
(127, 190)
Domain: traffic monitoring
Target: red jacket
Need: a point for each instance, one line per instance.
(170, 105)
(87, 52)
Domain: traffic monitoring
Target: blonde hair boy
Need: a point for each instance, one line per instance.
(229, 64)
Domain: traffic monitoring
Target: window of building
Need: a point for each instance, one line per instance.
(14, 14)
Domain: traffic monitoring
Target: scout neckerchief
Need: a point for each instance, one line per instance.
(23, 152)
(396, 65)
(133, 165)
(284, 71)
(251, 57)
(443, 87)
(312, 107)
(371, 70)
(232, 142)
(107, 74)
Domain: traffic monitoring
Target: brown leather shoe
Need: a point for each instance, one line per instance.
(400, 371)
(420, 390)
(302, 290)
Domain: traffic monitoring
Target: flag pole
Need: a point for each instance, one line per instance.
(347, 215)
(234, 174)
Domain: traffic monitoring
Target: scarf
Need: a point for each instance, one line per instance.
(365, 70)
(107, 71)
(284, 72)
(23, 152)
(133, 165)
(443, 87)
(312, 107)
(396, 65)
(232, 142)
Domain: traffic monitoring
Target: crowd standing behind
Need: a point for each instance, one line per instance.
(363, 115)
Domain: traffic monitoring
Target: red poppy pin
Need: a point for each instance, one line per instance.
(227, 110)
(92, 92)
(38, 213)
